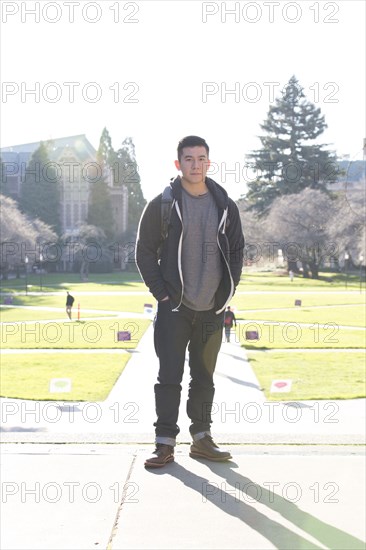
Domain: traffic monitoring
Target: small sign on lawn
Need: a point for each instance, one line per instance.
(297, 302)
(251, 335)
(281, 386)
(123, 335)
(60, 385)
(148, 309)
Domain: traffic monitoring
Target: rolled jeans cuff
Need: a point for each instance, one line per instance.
(165, 440)
(200, 435)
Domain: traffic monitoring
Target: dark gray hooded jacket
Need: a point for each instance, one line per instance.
(163, 275)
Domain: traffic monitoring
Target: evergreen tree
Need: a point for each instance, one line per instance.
(289, 160)
(105, 154)
(40, 190)
(100, 212)
(126, 173)
(121, 167)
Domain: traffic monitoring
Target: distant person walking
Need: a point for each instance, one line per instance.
(229, 321)
(69, 303)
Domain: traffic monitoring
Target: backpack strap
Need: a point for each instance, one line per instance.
(166, 209)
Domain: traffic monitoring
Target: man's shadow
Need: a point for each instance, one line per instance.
(234, 501)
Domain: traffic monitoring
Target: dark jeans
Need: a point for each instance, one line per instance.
(174, 330)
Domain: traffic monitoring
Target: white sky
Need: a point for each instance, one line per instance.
(169, 53)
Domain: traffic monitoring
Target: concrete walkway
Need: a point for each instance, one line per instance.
(100, 496)
(73, 475)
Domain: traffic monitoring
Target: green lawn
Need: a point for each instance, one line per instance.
(72, 334)
(314, 375)
(52, 282)
(10, 315)
(257, 304)
(260, 297)
(329, 374)
(264, 300)
(351, 315)
(27, 376)
(116, 302)
(280, 281)
(293, 336)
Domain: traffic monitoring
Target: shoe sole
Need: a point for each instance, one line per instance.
(156, 465)
(200, 455)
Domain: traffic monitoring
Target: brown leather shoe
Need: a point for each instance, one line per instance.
(161, 456)
(206, 448)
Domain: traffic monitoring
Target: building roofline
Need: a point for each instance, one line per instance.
(32, 146)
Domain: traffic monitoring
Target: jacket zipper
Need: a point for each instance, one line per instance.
(180, 256)
(222, 223)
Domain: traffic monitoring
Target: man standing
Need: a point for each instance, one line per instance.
(192, 271)
(69, 303)
(229, 320)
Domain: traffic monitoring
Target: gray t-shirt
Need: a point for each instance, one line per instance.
(201, 259)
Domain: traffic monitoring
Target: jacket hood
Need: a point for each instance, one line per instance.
(219, 193)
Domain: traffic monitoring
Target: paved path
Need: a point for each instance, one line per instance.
(71, 497)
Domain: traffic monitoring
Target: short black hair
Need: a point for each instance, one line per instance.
(191, 141)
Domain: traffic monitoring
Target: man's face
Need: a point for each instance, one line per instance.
(193, 164)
